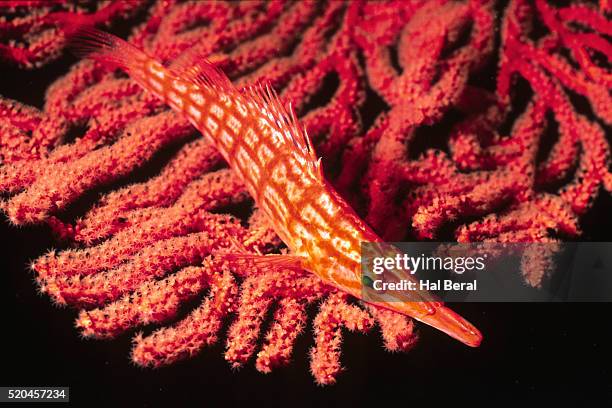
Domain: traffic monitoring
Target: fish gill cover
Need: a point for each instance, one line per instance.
(470, 120)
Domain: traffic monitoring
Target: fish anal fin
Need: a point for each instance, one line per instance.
(274, 261)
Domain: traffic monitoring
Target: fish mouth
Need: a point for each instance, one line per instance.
(438, 316)
(451, 323)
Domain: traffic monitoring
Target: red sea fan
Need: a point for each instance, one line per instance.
(146, 248)
(29, 35)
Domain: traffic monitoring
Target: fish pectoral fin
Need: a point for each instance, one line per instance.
(273, 261)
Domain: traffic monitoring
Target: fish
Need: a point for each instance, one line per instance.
(263, 142)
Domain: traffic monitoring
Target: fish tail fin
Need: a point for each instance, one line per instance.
(261, 100)
(86, 41)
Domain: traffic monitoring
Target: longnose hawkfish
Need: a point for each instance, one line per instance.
(264, 144)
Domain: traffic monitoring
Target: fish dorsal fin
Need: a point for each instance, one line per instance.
(202, 72)
(264, 99)
(283, 120)
(260, 99)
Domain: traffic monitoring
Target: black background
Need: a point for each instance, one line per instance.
(550, 353)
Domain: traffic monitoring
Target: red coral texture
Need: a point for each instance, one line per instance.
(370, 81)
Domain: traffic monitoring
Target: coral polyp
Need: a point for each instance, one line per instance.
(370, 81)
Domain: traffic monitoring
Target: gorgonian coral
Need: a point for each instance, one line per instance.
(369, 80)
